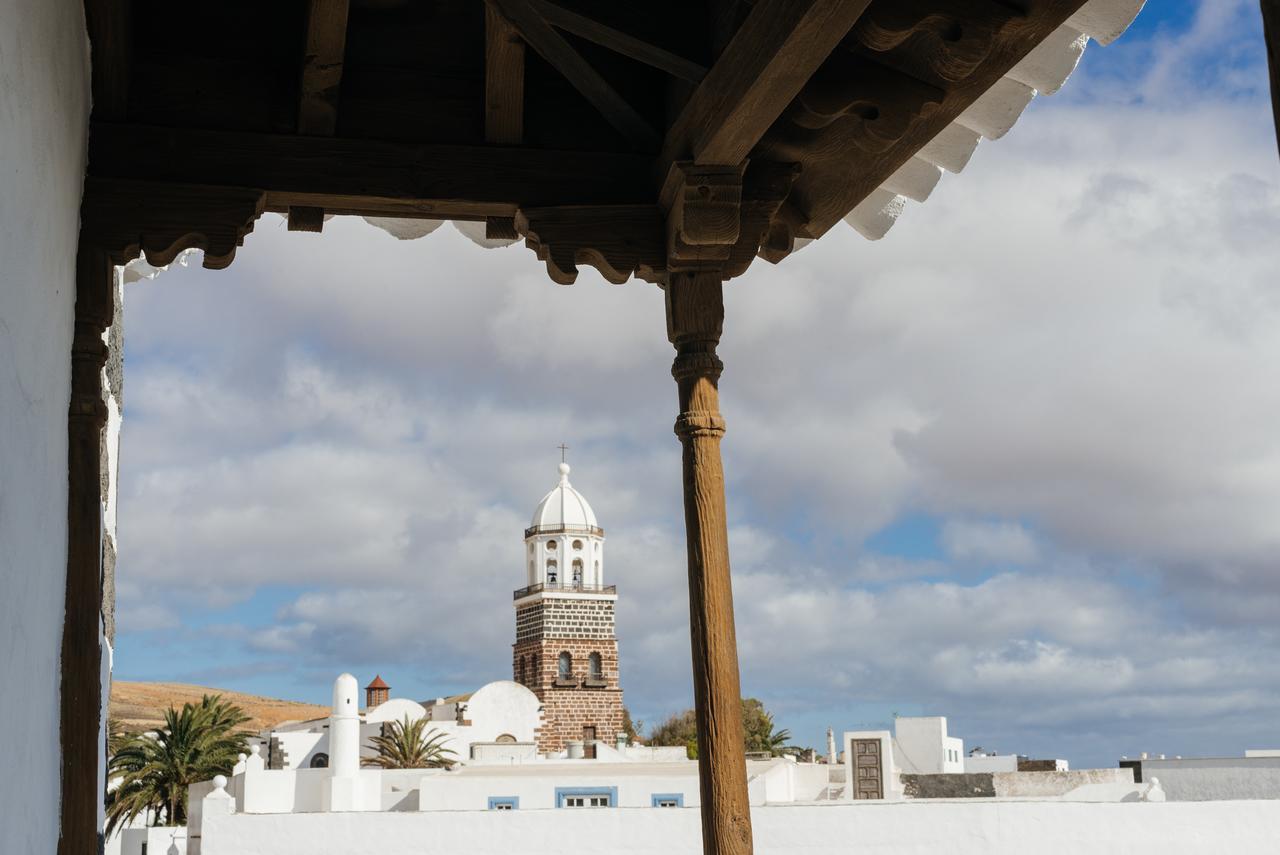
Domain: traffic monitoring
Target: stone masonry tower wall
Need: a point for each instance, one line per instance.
(565, 651)
(588, 697)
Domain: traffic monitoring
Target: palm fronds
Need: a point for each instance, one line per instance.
(407, 744)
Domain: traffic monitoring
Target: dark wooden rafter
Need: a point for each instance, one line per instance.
(108, 26)
(503, 81)
(322, 61)
(320, 87)
(766, 63)
(618, 41)
(1271, 30)
(367, 176)
(552, 47)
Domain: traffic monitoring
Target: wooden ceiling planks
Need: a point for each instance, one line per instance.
(553, 48)
(110, 35)
(618, 41)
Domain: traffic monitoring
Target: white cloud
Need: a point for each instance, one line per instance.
(997, 543)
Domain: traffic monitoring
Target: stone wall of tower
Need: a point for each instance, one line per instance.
(546, 628)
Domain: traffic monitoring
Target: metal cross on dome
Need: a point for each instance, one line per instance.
(563, 448)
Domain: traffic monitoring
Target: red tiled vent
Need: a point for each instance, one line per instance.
(378, 683)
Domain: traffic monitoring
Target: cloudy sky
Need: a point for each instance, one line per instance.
(1017, 463)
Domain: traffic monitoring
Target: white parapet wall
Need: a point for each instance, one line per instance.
(899, 828)
(1206, 778)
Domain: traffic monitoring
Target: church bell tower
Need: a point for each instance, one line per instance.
(565, 650)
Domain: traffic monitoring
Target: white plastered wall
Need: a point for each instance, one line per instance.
(980, 827)
(922, 746)
(44, 105)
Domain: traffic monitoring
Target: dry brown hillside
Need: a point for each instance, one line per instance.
(141, 706)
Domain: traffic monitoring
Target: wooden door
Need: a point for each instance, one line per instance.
(589, 741)
(868, 769)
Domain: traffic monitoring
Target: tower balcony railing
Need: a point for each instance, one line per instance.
(565, 587)
(564, 529)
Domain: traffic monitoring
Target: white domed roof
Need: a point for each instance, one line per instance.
(563, 507)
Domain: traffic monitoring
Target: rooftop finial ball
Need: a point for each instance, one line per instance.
(564, 468)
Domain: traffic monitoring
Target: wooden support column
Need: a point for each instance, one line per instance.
(81, 688)
(695, 315)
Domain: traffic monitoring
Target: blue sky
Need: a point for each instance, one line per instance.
(1010, 464)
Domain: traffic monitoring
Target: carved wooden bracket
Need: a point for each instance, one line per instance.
(124, 217)
(766, 186)
(620, 241)
(704, 212)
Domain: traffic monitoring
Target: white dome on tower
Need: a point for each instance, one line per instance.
(564, 507)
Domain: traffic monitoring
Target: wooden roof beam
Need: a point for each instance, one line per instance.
(619, 42)
(358, 176)
(552, 47)
(503, 81)
(318, 91)
(326, 43)
(772, 55)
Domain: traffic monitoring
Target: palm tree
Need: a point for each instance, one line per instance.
(117, 735)
(778, 739)
(155, 769)
(407, 744)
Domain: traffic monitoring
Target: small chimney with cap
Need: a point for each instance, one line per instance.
(377, 692)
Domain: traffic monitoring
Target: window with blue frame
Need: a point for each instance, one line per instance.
(668, 800)
(504, 802)
(586, 797)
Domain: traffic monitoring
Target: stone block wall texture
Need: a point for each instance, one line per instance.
(1037, 765)
(973, 785)
(548, 627)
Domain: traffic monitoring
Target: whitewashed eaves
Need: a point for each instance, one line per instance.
(1044, 70)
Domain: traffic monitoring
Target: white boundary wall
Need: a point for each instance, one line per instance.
(1208, 778)
(912, 828)
(44, 105)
